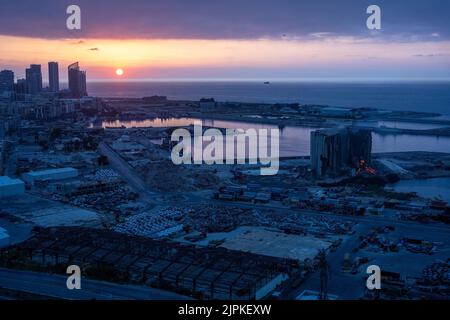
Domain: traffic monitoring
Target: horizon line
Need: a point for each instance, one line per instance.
(279, 80)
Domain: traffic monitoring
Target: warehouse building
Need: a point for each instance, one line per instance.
(11, 187)
(50, 175)
(201, 272)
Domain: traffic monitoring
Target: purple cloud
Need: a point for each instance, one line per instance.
(231, 19)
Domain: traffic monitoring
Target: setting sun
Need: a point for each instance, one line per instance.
(119, 72)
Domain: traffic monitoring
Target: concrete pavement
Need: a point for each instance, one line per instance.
(54, 286)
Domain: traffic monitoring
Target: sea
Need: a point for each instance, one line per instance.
(429, 96)
(428, 188)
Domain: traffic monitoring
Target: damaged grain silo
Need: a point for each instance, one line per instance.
(334, 151)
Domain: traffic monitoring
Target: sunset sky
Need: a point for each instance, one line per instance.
(233, 39)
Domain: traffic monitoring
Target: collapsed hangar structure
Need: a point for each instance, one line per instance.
(200, 272)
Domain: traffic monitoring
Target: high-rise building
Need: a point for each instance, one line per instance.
(53, 76)
(83, 88)
(335, 150)
(77, 81)
(6, 81)
(21, 86)
(34, 79)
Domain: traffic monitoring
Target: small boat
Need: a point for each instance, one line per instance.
(266, 82)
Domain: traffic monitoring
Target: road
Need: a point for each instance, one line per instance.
(339, 283)
(54, 286)
(128, 173)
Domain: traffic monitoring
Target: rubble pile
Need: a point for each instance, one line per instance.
(321, 225)
(107, 201)
(213, 218)
(419, 246)
(377, 242)
(436, 278)
(165, 176)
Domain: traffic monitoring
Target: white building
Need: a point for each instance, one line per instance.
(11, 187)
(49, 175)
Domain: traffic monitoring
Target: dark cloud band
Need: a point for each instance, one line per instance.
(219, 19)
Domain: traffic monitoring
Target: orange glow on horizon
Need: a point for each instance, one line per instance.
(138, 56)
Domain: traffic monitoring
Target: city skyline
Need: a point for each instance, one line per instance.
(298, 40)
(33, 83)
